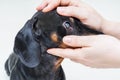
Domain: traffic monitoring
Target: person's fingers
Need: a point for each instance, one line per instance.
(73, 11)
(48, 5)
(51, 5)
(77, 55)
(43, 5)
(65, 53)
(79, 41)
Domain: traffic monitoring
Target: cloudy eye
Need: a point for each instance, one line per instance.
(66, 24)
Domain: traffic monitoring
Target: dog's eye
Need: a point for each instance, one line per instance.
(66, 24)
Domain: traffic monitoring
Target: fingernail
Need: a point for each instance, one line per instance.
(67, 39)
(49, 51)
(60, 9)
(39, 8)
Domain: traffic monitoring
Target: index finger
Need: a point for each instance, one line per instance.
(51, 4)
(65, 53)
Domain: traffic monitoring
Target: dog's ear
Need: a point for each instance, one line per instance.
(36, 29)
(26, 47)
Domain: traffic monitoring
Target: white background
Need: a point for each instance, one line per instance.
(14, 14)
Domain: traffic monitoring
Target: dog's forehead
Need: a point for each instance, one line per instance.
(49, 17)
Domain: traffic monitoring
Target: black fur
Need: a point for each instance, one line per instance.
(30, 61)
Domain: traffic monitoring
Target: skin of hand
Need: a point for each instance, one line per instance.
(101, 51)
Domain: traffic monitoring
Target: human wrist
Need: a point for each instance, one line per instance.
(107, 27)
(103, 27)
(111, 28)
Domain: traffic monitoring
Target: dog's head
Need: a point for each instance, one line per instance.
(43, 31)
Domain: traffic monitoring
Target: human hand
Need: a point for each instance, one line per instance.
(75, 8)
(98, 51)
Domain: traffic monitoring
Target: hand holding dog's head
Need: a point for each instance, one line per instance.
(43, 31)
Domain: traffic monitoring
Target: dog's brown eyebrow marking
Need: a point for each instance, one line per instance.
(54, 37)
(71, 19)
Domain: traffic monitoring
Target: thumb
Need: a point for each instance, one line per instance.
(79, 41)
(72, 11)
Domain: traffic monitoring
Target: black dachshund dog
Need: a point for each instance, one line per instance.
(29, 60)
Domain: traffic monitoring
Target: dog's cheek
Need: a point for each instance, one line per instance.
(61, 31)
(54, 37)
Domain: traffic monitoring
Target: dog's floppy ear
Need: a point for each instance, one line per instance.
(26, 47)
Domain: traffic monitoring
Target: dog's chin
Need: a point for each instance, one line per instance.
(60, 59)
(58, 62)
